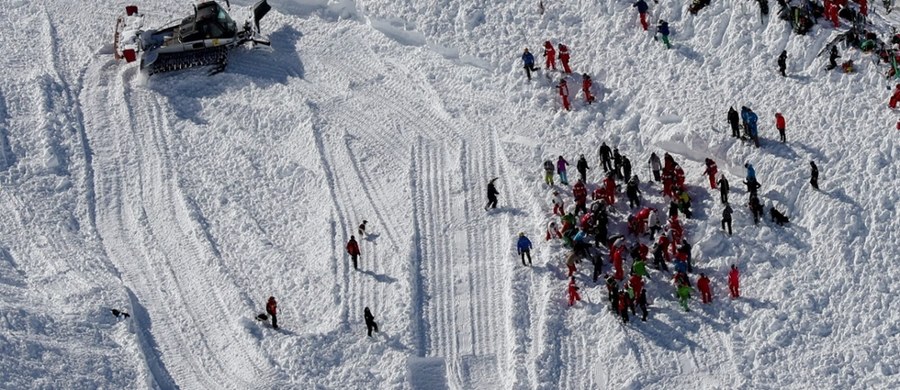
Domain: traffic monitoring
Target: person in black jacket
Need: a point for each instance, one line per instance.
(492, 195)
(626, 168)
(370, 321)
(782, 63)
(814, 175)
(726, 218)
(756, 208)
(832, 58)
(733, 119)
(605, 157)
(723, 189)
(582, 167)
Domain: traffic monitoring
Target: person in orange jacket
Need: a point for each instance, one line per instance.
(734, 283)
(272, 309)
(780, 125)
(550, 54)
(574, 296)
(586, 84)
(564, 57)
(711, 171)
(353, 250)
(563, 89)
(705, 289)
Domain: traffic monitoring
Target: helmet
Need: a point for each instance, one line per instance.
(521, 234)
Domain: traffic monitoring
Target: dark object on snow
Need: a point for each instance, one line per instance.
(370, 322)
(118, 313)
(778, 217)
(697, 5)
(492, 195)
(262, 317)
(814, 175)
(272, 309)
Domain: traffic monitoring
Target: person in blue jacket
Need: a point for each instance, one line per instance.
(745, 120)
(663, 28)
(524, 246)
(751, 173)
(528, 61)
(751, 124)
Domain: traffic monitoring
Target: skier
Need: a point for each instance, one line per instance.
(362, 229)
(642, 8)
(370, 321)
(711, 171)
(705, 289)
(563, 89)
(726, 217)
(684, 294)
(780, 125)
(524, 247)
(895, 98)
(492, 195)
(586, 87)
(734, 282)
(550, 55)
(548, 172)
(528, 63)
(564, 57)
(814, 175)
(662, 28)
(832, 58)
(353, 250)
(582, 167)
(723, 189)
(561, 164)
(574, 296)
(782, 63)
(655, 166)
(642, 303)
(778, 217)
(733, 121)
(272, 309)
(606, 156)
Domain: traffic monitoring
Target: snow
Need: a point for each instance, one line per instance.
(186, 200)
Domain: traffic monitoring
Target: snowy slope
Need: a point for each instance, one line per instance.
(187, 200)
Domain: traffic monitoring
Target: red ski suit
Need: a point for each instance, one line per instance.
(586, 84)
(617, 263)
(895, 98)
(610, 185)
(564, 57)
(564, 94)
(550, 53)
(734, 283)
(705, 289)
(711, 170)
(352, 248)
(573, 292)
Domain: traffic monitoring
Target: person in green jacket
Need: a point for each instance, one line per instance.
(684, 294)
(640, 268)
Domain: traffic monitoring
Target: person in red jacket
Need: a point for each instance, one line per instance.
(610, 184)
(711, 171)
(550, 55)
(705, 289)
(637, 283)
(272, 309)
(863, 7)
(734, 283)
(780, 125)
(563, 89)
(624, 302)
(564, 57)
(579, 192)
(586, 88)
(617, 255)
(679, 178)
(353, 250)
(574, 296)
(895, 98)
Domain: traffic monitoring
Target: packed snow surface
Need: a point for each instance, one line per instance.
(186, 200)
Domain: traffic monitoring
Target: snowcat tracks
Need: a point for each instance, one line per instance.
(215, 56)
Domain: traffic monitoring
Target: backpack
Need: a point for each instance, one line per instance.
(548, 166)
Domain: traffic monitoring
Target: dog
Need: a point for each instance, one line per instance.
(778, 217)
(118, 313)
(362, 229)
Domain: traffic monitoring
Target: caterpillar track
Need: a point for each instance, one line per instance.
(217, 57)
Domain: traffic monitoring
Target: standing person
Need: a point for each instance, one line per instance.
(586, 88)
(548, 172)
(734, 283)
(814, 175)
(832, 58)
(370, 321)
(524, 247)
(780, 125)
(705, 289)
(617, 164)
(726, 217)
(642, 303)
(782, 63)
(582, 167)
(605, 157)
(684, 295)
(711, 171)
(559, 206)
(574, 296)
(353, 251)
(723, 189)
(272, 309)
(579, 192)
(561, 164)
(663, 29)
(733, 121)
(624, 302)
(752, 119)
(564, 57)
(751, 172)
(570, 263)
(626, 168)
(655, 166)
(642, 8)
(528, 63)
(492, 195)
(895, 98)
(563, 89)
(633, 193)
(550, 55)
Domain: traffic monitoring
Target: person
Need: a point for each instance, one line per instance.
(780, 125)
(895, 98)
(563, 89)
(778, 217)
(863, 7)
(753, 187)
(610, 184)
(642, 8)
(353, 250)
(814, 175)
(782, 63)
(548, 172)
(524, 247)
(831, 13)
(492, 195)
(559, 207)
(684, 203)
(579, 192)
(763, 9)
(642, 303)
(371, 325)
(752, 119)
(564, 57)
(570, 263)
(612, 288)
(362, 229)
(586, 84)
(653, 222)
(684, 295)
(723, 189)
(272, 309)
(662, 28)
(528, 63)
(751, 172)
(626, 168)
(733, 121)
(659, 255)
(756, 208)
(655, 166)
(553, 231)
(623, 304)
(617, 164)
(617, 254)
(685, 248)
(605, 157)
(832, 58)
(705, 289)
(550, 56)
(561, 164)
(734, 282)
(633, 193)
(711, 171)
(597, 262)
(574, 296)
(582, 167)
(726, 217)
